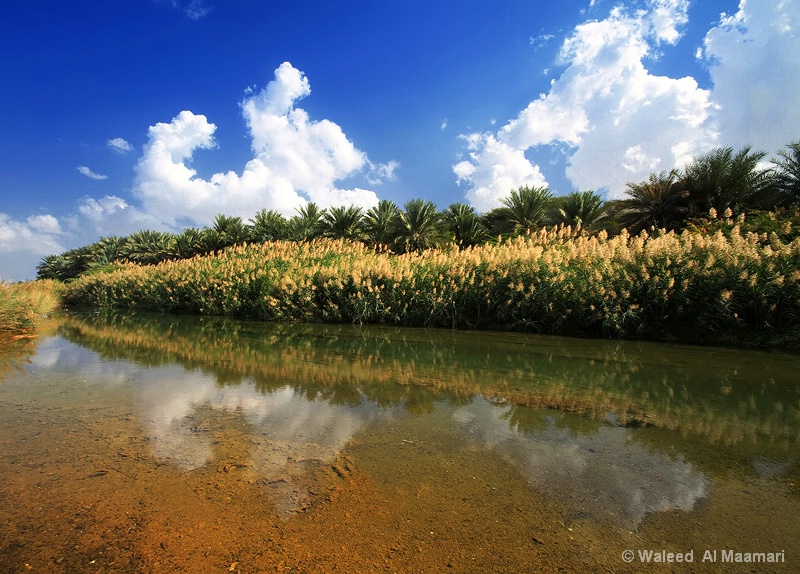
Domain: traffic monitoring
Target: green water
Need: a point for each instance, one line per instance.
(516, 452)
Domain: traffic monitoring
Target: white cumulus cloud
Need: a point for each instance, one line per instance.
(493, 169)
(98, 210)
(108, 215)
(37, 234)
(296, 159)
(617, 121)
(44, 223)
(756, 73)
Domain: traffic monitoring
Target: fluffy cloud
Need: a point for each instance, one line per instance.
(97, 210)
(119, 145)
(308, 155)
(45, 224)
(617, 121)
(37, 234)
(493, 169)
(165, 184)
(756, 73)
(89, 173)
(296, 159)
(23, 241)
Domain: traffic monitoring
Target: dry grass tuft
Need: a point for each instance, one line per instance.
(21, 304)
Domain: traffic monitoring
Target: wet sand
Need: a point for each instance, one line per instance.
(87, 496)
(107, 466)
(83, 493)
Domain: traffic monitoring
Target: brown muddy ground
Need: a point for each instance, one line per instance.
(95, 500)
(82, 491)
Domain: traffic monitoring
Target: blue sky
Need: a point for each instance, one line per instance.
(129, 114)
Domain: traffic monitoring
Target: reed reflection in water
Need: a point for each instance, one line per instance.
(624, 436)
(736, 398)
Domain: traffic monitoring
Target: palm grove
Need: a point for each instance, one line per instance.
(722, 182)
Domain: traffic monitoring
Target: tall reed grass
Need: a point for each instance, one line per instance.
(730, 286)
(22, 303)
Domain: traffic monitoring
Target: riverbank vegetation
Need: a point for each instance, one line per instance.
(726, 288)
(25, 310)
(709, 253)
(22, 304)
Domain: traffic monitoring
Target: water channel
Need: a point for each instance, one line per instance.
(186, 444)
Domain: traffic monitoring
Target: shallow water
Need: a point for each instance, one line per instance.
(182, 444)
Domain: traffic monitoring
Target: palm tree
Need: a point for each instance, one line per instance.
(187, 244)
(268, 226)
(231, 230)
(209, 241)
(721, 179)
(106, 251)
(788, 172)
(147, 247)
(69, 264)
(526, 207)
(343, 223)
(55, 267)
(497, 222)
(610, 220)
(307, 224)
(582, 208)
(49, 267)
(659, 202)
(419, 226)
(379, 223)
(465, 225)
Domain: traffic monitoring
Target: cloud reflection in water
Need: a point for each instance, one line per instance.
(289, 436)
(282, 437)
(606, 474)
